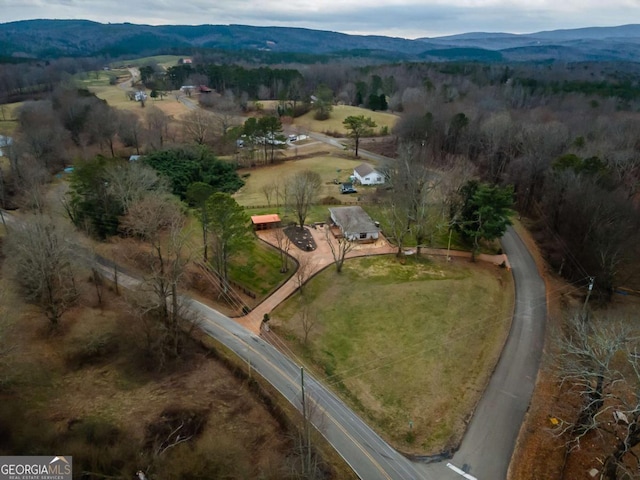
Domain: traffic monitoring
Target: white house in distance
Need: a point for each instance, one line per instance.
(354, 224)
(367, 175)
(5, 144)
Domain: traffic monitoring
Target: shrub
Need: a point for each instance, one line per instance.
(91, 349)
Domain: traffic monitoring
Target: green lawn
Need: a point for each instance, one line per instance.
(422, 355)
(258, 269)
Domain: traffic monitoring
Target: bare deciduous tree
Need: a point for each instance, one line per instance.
(308, 320)
(129, 183)
(130, 130)
(410, 207)
(157, 127)
(340, 247)
(303, 271)
(284, 244)
(198, 126)
(599, 364)
(41, 135)
(270, 191)
(226, 110)
(302, 192)
(41, 254)
(157, 219)
(102, 123)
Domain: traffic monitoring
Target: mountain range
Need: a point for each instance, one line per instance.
(43, 39)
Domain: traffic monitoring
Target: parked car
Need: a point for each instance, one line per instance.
(347, 188)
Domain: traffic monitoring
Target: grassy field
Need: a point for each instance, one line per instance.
(415, 364)
(8, 121)
(339, 113)
(329, 167)
(165, 61)
(115, 96)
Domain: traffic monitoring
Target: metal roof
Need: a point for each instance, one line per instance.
(353, 220)
(269, 218)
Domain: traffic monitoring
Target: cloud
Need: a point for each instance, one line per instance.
(405, 18)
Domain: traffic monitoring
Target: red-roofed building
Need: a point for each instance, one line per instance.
(265, 222)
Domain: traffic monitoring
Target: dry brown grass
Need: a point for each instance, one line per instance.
(339, 113)
(110, 396)
(8, 121)
(326, 166)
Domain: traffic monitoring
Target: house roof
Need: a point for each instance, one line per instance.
(269, 218)
(353, 219)
(364, 169)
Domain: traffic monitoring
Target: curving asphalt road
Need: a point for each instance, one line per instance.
(490, 439)
(363, 449)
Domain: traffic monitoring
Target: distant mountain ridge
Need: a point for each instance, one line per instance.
(56, 38)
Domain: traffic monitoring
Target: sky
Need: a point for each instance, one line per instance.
(395, 18)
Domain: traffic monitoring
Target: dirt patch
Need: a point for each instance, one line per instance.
(301, 238)
(385, 146)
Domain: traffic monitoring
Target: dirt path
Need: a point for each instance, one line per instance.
(322, 257)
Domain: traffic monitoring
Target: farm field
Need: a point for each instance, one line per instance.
(338, 114)
(165, 61)
(116, 96)
(8, 121)
(416, 364)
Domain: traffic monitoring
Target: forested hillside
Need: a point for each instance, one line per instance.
(56, 38)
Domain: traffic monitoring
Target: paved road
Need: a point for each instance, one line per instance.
(368, 455)
(488, 444)
(337, 143)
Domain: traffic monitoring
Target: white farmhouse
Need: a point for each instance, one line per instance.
(367, 175)
(354, 224)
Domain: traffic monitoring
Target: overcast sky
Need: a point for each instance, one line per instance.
(398, 18)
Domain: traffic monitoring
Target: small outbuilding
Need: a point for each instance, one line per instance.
(367, 175)
(354, 224)
(265, 222)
